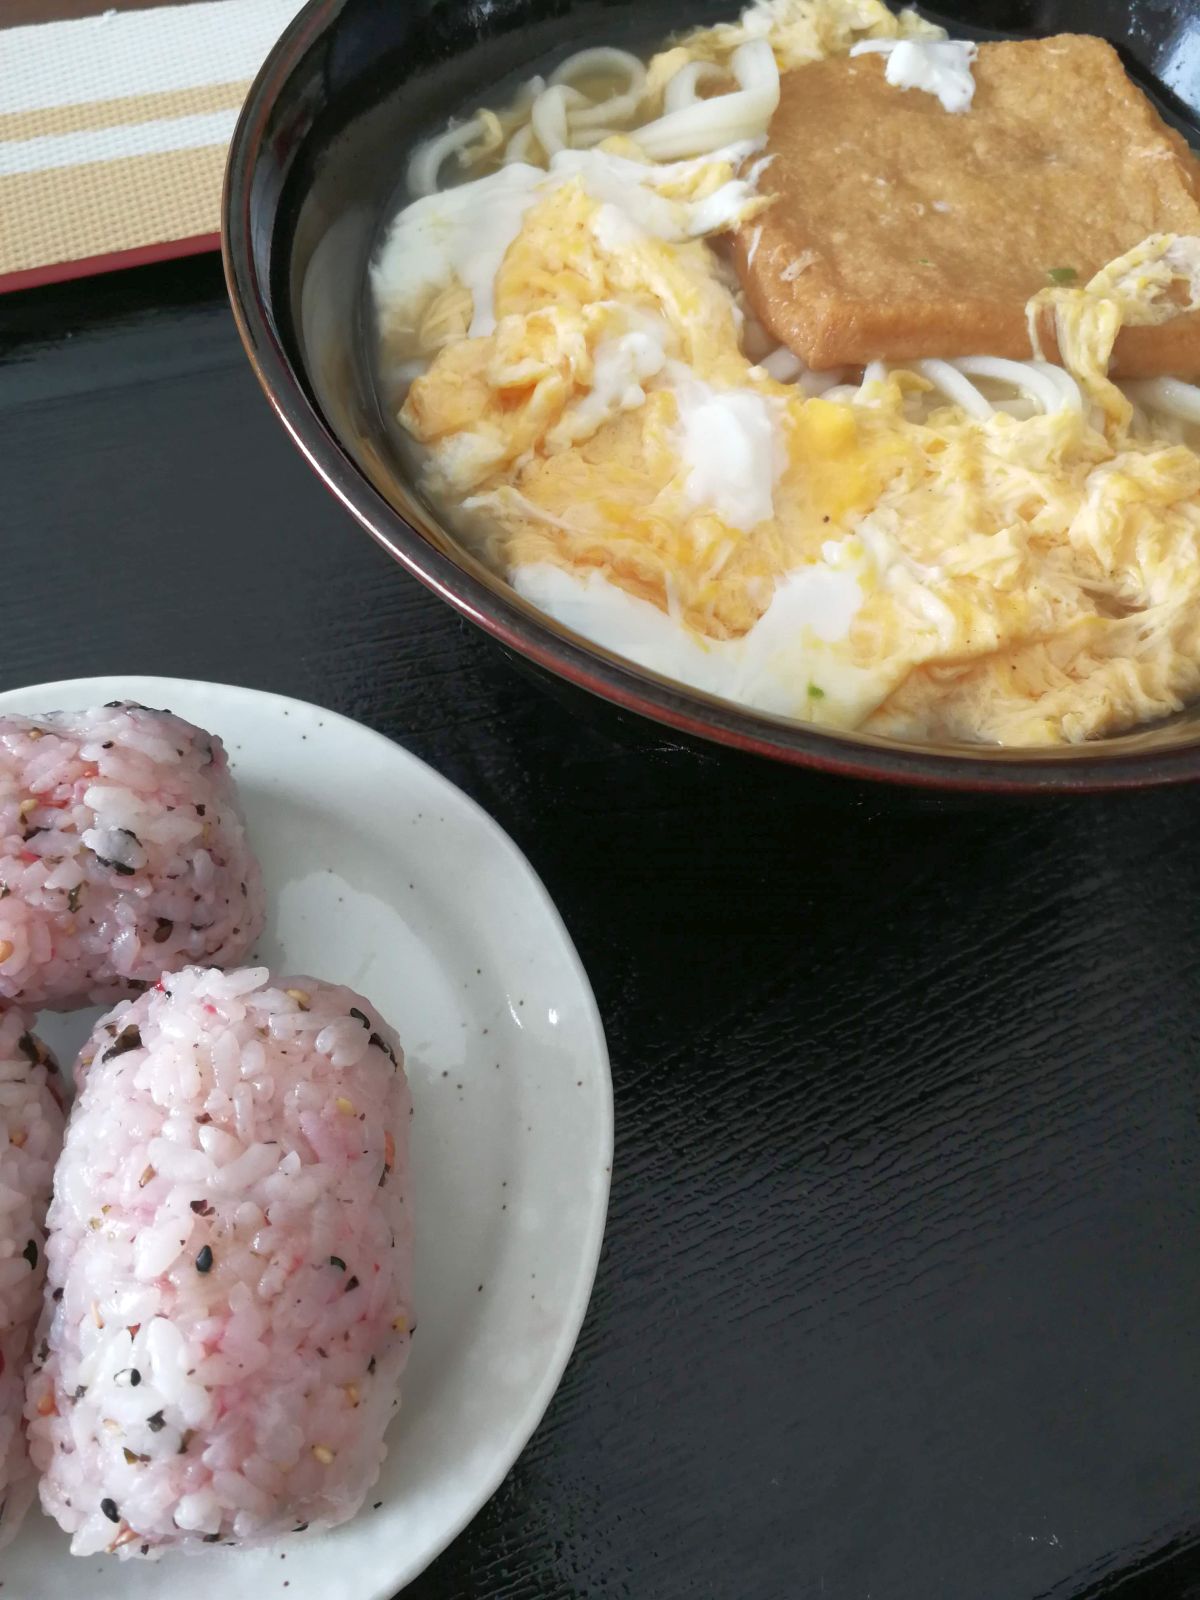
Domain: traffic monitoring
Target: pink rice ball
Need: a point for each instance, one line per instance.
(123, 855)
(230, 1259)
(31, 1125)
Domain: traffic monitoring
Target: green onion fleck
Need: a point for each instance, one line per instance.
(1062, 274)
(815, 692)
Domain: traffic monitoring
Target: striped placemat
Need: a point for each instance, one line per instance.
(114, 124)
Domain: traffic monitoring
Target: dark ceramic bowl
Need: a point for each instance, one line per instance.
(315, 160)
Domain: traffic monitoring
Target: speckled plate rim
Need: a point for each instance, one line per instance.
(204, 702)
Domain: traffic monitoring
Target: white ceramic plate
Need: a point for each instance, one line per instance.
(383, 876)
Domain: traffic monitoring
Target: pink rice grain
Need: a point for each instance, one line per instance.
(31, 1124)
(230, 1232)
(122, 855)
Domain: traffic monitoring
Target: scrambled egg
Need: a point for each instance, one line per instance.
(1023, 580)
(513, 423)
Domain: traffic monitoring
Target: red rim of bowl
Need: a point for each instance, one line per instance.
(519, 627)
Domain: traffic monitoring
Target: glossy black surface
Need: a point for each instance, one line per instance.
(313, 171)
(901, 1292)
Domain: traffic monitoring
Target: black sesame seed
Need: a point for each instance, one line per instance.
(163, 929)
(381, 1044)
(336, 1261)
(145, 1549)
(80, 1391)
(30, 1049)
(57, 1295)
(351, 1283)
(211, 1538)
(118, 867)
(204, 1260)
(135, 1377)
(200, 810)
(300, 1527)
(128, 1039)
(198, 1206)
(156, 1423)
(109, 1508)
(371, 1364)
(30, 1253)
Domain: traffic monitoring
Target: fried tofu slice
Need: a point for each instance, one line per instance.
(903, 230)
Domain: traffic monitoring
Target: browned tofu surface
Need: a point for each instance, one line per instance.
(904, 230)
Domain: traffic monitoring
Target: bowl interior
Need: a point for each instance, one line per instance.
(314, 171)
